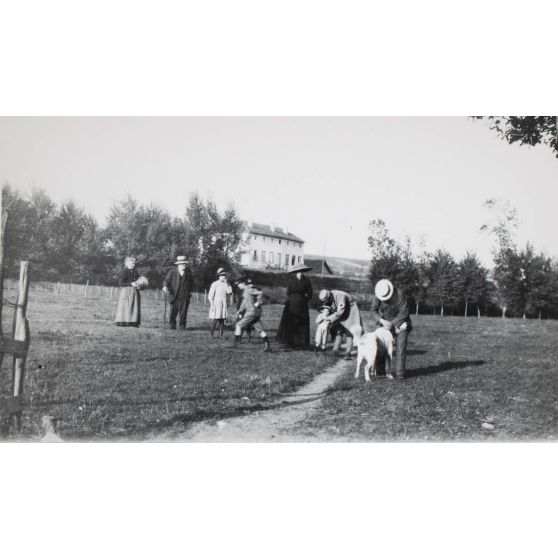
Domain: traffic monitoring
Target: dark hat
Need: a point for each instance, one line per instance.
(244, 280)
(299, 268)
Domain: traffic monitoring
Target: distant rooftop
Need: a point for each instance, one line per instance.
(272, 231)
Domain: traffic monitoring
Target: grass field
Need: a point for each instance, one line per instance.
(463, 373)
(102, 381)
(109, 383)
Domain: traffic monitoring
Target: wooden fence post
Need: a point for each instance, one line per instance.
(85, 289)
(21, 333)
(3, 219)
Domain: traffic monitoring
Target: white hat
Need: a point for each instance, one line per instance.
(180, 260)
(383, 289)
(324, 295)
(221, 271)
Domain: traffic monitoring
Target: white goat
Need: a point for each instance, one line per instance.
(379, 343)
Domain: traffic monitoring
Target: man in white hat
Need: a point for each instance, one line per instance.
(345, 318)
(390, 309)
(179, 284)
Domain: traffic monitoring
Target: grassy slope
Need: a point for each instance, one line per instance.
(106, 382)
(103, 381)
(463, 373)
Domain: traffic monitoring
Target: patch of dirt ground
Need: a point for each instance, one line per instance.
(276, 425)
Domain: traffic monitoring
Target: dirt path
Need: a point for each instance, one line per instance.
(277, 425)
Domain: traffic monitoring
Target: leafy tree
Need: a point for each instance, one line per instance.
(212, 239)
(502, 224)
(473, 281)
(443, 283)
(539, 282)
(145, 232)
(74, 242)
(527, 130)
(28, 230)
(391, 259)
(509, 280)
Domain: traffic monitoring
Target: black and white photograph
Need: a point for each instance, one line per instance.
(274, 281)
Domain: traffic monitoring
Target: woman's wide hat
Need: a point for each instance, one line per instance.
(383, 289)
(300, 268)
(180, 260)
(221, 271)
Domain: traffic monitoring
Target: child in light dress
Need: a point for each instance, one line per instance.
(218, 301)
(322, 329)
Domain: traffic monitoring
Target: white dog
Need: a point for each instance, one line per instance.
(371, 345)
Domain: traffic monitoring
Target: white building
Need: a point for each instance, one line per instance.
(270, 246)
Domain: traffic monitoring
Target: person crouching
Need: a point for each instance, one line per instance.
(249, 312)
(390, 309)
(322, 328)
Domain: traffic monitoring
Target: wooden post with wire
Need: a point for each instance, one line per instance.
(3, 219)
(11, 407)
(21, 334)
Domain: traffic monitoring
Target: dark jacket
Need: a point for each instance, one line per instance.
(173, 283)
(395, 310)
(299, 293)
(127, 277)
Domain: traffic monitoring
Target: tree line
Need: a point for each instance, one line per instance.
(65, 243)
(522, 283)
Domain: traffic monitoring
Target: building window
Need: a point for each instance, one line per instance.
(264, 254)
(293, 260)
(299, 259)
(279, 241)
(255, 255)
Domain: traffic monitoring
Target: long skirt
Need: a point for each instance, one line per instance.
(294, 329)
(129, 307)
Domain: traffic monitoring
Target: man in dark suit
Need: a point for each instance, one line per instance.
(178, 284)
(390, 309)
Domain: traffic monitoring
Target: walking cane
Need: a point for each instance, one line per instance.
(165, 313)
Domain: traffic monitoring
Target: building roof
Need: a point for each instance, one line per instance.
(274, 232)
(317, 263)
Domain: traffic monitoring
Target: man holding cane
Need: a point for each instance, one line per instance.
(178, 284)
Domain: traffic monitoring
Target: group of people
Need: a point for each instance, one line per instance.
(338, 314)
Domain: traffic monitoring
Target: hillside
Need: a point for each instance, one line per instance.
(343, 266)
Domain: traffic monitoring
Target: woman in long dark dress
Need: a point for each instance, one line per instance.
(129, 302)
(294, 327)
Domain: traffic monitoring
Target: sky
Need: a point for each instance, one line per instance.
(324, 178)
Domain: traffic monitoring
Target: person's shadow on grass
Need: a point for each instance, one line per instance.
(442, 367)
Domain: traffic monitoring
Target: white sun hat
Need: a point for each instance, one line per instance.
(383, 289)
